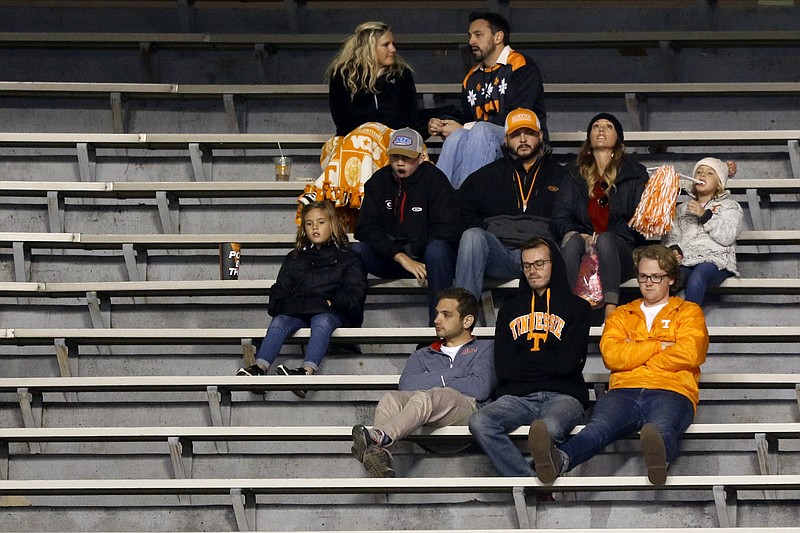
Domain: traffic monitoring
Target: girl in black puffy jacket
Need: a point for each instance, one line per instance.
(321, 285)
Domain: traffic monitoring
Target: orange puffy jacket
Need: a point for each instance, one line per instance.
(636, 359)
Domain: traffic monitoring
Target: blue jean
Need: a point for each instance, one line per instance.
(440, 259)
(490, 425)
(698, 278)
(615, 257)
(621, 412)
(465, 151)
(322, 325)
(481, 254)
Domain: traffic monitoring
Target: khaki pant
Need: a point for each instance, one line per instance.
(400, 413)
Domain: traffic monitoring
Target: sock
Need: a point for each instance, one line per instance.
(379, 438)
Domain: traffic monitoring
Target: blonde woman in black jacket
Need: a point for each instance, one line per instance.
(370, 82)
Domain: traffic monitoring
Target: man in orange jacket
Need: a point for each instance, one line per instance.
(654, 347)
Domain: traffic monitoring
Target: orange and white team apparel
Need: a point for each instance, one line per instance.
(635, 355)
(347, 163)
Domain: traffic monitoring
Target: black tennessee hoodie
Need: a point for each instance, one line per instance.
(541, 341)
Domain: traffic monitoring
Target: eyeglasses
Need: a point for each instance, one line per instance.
(654, 278)
(536, 265)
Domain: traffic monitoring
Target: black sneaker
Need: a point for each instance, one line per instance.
(286, 371)
(344, 349)
(362, 440)
(252, 370)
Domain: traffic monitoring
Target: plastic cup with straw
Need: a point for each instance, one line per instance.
(283, 166)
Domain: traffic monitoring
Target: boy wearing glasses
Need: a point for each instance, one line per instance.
(654, 347)
(540, 350)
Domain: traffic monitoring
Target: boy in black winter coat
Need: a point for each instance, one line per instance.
(408, 222)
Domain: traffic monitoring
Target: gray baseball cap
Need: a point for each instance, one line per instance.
(405, 142)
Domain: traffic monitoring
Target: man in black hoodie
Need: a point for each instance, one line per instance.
(408, 222)
(505, 203)
(540, 351)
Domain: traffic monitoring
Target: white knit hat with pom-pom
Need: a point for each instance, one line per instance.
(724, 170)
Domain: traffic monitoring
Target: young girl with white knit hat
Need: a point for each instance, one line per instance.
(705, 229)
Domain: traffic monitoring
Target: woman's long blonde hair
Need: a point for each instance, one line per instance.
(587, 166)
(357, 62)
(338, 233)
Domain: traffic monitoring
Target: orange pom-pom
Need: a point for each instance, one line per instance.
(656, 209)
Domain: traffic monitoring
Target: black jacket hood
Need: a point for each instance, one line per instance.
(541, 343)
(558, 277)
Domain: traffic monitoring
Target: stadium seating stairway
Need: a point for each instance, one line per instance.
(136, 137)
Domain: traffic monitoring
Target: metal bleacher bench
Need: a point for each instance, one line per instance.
(296, 90)
(201, 145)
(258, 189)
(253, 140)
(66, 342)
(219, 388)
(134, 247)
(242, 492)
(94, 241)
(168, 195)
(98, 294)
(180, 440)
(315, 41)
(261, 287)
(324, 382)
(118, 94)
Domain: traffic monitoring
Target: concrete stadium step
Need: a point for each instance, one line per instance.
(723, 490)
(480, 515)
(237, 108)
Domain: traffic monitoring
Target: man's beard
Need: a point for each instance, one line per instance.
(529, 157)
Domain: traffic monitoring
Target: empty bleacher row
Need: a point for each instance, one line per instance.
(332, 41)
(242, 493)
(125, 99)
(244, 16)
(109, 261)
